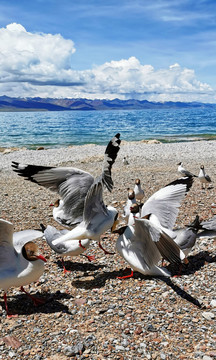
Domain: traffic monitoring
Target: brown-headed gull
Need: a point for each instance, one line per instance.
(139, 192)
(203, 177)
(20, 263)
(130, 201)
(150, 239)
(135, 210)
(59, 214)
(142, 246)
(65, 248)
(70, 183)
(183, 171)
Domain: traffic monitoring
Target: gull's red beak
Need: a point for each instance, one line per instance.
(42, 258)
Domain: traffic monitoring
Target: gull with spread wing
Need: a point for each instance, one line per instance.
(97, 218)
(150, 239)
(70, 183)
(142, 246)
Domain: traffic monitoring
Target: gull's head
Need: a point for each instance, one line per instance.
(134, 209)
(137, 181)
(58, 203)
(131, 194)
(202, 167)
(30, 252)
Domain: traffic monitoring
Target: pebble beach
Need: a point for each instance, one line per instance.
(89, 313)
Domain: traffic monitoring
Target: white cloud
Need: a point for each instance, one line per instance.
(37, 64)
(23, 54)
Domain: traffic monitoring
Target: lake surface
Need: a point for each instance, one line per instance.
(57, 129)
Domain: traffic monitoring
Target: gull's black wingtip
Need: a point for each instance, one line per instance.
(42, 227)
(187, 180)
(117, 139)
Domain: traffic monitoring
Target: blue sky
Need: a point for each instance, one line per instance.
(156, 50)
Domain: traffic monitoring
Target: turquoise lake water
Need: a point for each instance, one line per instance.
(57, 129)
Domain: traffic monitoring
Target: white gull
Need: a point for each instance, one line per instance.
(20, 263)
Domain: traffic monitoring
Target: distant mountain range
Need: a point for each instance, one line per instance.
(48, 104)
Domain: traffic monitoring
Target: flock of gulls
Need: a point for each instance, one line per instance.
(146, 240)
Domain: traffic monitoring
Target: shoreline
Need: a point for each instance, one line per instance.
(195, 152)
(162, 140)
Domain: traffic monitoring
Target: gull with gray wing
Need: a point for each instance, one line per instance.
(150, 239)
(65, 248)
(70, 183)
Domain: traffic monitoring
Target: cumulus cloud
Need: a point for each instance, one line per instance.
(37, 64)
(26, 56)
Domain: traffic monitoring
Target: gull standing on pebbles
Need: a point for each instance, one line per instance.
(145, 243)
(125, 161)
(183, 171)
(70, 183)
(130, 201)
(186, 237)
(139, 192)
(203, 177)
(20, 263)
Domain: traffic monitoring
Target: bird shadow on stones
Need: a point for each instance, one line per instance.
(196, 262)
(21, 304)
(182, 293)
(79, 266)
(100, 280)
